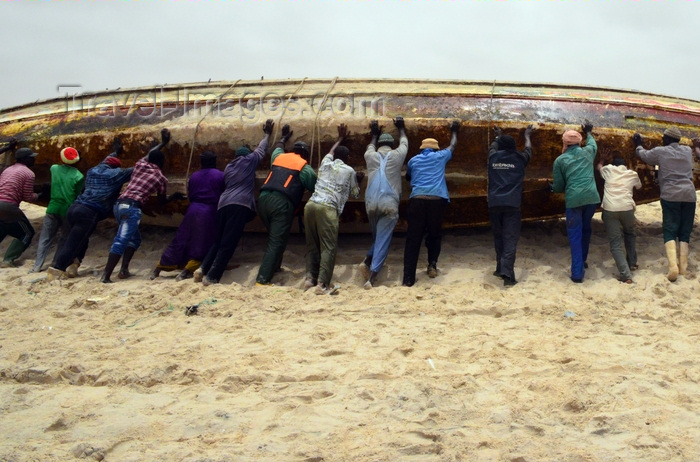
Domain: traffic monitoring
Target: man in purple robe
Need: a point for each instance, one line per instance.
(197, 231)
(236, 206)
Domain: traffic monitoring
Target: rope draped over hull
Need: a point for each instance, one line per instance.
(222, 116)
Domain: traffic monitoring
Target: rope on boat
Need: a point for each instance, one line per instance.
(284, 110)
(316, 127)
(196, 128)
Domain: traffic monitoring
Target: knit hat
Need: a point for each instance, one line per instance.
(23, 153)
(673, 132)
(617, 161)
(506, 143)
(113, 162)
(211, 154)
(429, 143)
(570, 137)
(242, 151)
(69, 156)
(386, 138)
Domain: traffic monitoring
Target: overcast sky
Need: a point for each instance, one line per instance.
(645, 45)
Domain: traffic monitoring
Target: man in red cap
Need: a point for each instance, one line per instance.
(16, 185)
(66, 183)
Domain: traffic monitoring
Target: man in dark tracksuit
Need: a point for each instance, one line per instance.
(280, 196)
(506, 167)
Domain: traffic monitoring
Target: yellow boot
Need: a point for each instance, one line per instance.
(683, 265)
(672, 262)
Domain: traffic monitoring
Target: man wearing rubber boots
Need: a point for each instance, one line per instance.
(678, 195)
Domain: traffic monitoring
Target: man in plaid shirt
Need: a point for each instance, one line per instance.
(146, 179)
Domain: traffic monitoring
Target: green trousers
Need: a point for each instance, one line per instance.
(321, 224)
(13, 222)
(276, 212)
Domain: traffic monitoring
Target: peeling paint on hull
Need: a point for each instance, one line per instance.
(229, 114)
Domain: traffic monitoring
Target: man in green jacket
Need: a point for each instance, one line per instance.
(573, 175)
(66, 184)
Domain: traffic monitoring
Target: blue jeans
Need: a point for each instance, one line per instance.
(578, 228)
(128, 235)
(382, 227)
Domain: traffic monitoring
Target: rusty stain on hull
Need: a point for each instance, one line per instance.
(230, 113)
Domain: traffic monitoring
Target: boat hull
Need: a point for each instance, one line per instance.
(222, 116)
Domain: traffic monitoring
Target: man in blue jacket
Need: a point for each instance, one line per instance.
(426, 206)
(506, 167)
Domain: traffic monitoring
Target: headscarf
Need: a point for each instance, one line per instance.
(569, 138)
(113, 162)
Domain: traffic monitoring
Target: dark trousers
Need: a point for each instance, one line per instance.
(82, 221)
(677, 220)
(231, 220)
(13, 222)
(424, 217)
(505, 224)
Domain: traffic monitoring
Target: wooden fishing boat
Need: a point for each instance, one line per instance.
(224, 115)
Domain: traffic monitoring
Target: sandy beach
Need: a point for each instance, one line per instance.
(456, 368)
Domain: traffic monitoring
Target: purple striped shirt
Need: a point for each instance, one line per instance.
(17, 184)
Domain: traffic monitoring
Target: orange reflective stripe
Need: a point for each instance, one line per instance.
(286, 183)
(268, 177)
(290, 160)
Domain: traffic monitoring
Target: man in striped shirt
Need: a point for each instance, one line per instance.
(16, 185)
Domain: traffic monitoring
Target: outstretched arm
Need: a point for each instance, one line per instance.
(376, 131)
(454, 128)
(342, 134)
(164, 139)
(261, 149)
(605, 158)
(528, 133)
(286, 134)
(117, 148)
(10, 146)
(527, 152)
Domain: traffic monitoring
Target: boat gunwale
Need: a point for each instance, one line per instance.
(502, 93)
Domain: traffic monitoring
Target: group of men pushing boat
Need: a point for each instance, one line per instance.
(221, 203)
